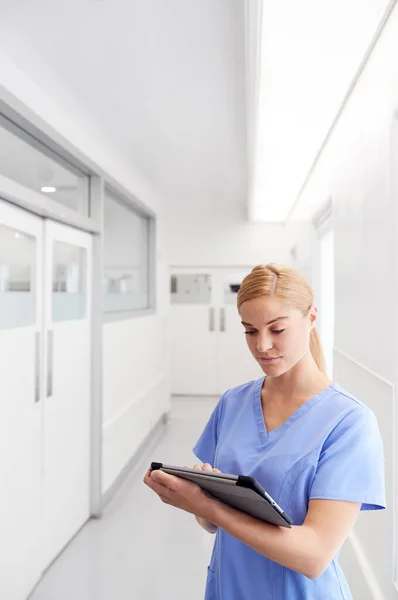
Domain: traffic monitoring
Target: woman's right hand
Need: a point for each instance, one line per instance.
(207, 526)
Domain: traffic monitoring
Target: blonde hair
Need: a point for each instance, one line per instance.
(291, 287)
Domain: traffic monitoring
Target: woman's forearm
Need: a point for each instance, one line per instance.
(207, 526)
(298, 548)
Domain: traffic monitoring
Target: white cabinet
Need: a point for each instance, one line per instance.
(209, 353)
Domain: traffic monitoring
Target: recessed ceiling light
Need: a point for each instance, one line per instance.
(48, 189)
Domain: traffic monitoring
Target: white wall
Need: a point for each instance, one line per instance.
(358, 168)
(136, 387)
(135, 379)
(217, 234)
(301, 242)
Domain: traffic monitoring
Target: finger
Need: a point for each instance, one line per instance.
(216, 471)
(198, 467)
(159, 489)
(207, 467)
(168, 481)
(149, 481)
(147, 477)
(152, 480)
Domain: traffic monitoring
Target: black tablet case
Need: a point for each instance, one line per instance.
(238, 491)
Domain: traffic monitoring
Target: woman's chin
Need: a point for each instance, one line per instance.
(272, 368)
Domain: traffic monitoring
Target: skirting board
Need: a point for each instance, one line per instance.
(151, 439)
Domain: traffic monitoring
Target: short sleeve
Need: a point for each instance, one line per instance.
(351, 464)
(205, 447)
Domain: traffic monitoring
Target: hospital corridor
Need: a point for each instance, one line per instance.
(198, 300)
(137, 550)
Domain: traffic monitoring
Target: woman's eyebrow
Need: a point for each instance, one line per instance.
(270, 322)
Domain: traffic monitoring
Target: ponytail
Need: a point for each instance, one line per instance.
(316, 351)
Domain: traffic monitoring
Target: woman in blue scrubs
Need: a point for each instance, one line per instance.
(314, 447)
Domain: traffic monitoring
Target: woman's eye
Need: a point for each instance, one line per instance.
(278, 331)
(250, 332)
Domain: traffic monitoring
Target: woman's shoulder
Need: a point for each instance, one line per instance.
(344, 408)
(345, 400)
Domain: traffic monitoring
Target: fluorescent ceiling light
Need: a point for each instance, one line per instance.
(303, 77)
(48, 189)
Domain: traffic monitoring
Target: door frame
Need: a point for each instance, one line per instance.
(44, 207)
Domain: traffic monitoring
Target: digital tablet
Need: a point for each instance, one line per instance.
(238, 491)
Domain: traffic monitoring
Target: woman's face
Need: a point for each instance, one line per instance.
(278, 336)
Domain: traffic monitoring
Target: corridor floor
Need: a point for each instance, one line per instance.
(141, 549)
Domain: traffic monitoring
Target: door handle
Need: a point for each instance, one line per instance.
(50, 359)
(222, 319)
(37, 366)
(211, 319)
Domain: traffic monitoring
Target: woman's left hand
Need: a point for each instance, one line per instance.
(179, 492)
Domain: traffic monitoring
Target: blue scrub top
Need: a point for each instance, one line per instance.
(329, 448)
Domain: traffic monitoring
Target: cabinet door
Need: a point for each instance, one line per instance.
(235, 363)
(193, 335)
(21, 385)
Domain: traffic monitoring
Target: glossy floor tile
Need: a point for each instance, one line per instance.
(141, 549)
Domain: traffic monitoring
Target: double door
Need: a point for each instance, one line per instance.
(209, 353)
(45, 289)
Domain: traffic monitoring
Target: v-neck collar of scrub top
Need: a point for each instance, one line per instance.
(268, 437)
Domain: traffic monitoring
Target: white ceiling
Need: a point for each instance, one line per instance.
(163, 80)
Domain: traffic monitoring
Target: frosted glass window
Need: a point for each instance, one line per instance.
(17, 278)
(189, 288)
(26, 161)
(327, 293)
(69, 297)
(126, 258)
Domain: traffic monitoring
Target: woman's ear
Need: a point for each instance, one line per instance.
(313, 316)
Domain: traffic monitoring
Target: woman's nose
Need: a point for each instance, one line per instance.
(264, 343)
